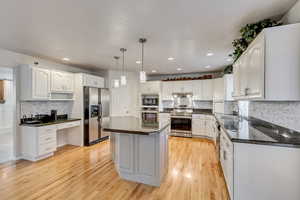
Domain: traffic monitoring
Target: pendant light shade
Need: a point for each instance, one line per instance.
(143, 75)
(116, 82)
(123, 77)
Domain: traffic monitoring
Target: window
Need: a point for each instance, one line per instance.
(2, 98)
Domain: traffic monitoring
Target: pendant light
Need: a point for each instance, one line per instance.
(116, 82)
(143, 75)
(123, 77)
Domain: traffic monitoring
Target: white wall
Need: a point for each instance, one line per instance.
(293, 15)
(124, 100)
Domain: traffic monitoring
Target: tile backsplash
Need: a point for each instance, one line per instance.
(196, 104)
(33, 108)
(203, 104)
(286, 114)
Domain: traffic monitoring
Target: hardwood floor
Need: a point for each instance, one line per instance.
(88, 173)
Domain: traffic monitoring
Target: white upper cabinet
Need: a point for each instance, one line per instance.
(150, 87)
(93, 81)
(167, 90)
(40, 83)
(62, 82)
(197, 89)
(34, 83)
(223, 88)
(269, 68)
(218, 89)
(202, 89)
(207, 90)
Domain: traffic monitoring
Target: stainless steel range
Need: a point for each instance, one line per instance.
(181, 117)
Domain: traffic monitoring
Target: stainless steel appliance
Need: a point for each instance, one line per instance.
(96, 113)
(181, 122)
(183, 100)
(150, 117)
(150, 100)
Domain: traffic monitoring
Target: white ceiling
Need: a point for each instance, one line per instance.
(91, 32)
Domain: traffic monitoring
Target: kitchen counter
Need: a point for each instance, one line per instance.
(139, 151)
(133, 125)
(51, 123)
(255, 131)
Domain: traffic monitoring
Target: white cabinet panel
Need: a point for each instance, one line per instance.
(218, 89)
(150, 87)
(207, 90)
(40, 84)
(197, 89)
(93, 81)
(202, 125)
(62, 82)
(167, 90)
(255, 84)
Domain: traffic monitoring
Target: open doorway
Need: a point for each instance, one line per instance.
(7, 112)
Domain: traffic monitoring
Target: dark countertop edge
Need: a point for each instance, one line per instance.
(50, 123)
(136, 132)
(201, 113)
(257, 142)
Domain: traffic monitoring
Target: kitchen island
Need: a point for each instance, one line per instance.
(139, 150)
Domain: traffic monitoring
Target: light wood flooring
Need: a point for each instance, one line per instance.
(88, 173)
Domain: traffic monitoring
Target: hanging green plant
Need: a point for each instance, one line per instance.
(228, 69)
(248, 34)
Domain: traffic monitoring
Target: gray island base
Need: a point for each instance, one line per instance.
(139, 151)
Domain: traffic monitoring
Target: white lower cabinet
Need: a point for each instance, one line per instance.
(41, 142)
(202, 125)
(226, 159)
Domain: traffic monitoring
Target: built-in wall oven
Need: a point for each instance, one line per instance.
(149, 117)
(181, 126)
(150, 100)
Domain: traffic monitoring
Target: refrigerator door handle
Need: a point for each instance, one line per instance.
(100, 110)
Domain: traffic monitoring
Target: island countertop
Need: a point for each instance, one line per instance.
(133, 125)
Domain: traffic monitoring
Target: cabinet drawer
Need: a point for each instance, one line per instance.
(47, 130)
(68, 125)
(47, 148)
(47, 138)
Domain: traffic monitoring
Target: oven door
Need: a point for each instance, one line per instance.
(149, 117)
(181, 125)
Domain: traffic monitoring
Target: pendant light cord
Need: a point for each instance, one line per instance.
(142, 56)
(142, 41)
(123, 65)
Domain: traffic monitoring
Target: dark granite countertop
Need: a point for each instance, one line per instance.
(133, 125)
(255, 131)
(50, 123)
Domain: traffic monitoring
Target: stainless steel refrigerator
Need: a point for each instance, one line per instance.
(96, 113)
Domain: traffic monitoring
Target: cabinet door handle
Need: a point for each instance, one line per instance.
(247, 91)
(224, 155)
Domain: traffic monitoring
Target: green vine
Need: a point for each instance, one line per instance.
(248, 34)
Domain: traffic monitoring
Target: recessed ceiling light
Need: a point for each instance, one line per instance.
(154, 71)
(138, 62)
(209, 53)
(179, 69)
(171, 58)
(207, 66)
(66, 59)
